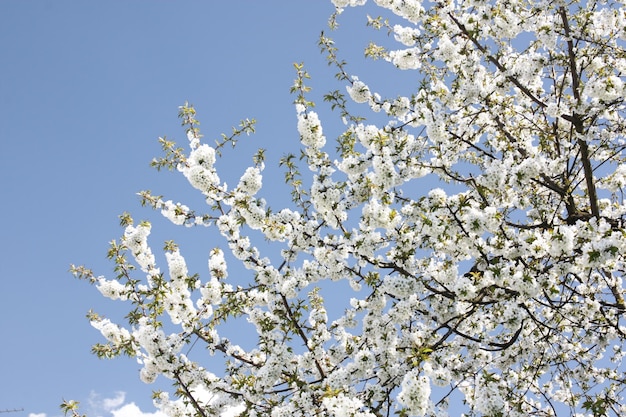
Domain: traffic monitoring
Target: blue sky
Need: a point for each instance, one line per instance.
(86, 88)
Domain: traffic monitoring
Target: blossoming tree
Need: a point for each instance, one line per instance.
(497, 291)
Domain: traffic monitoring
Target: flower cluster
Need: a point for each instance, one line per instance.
(359, 92)
(415, 393)
(200, 171)
(251, 181)
(310, 129)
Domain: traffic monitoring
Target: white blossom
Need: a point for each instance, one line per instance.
(176, 213)
(406, 59)
(415, 393)
(359, 92)
(112, 289)
(251, 181)
(406, 35)
(310, 130)
(344, 3)
(112, 332)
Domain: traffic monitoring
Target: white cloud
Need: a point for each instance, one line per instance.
(36, 414)
(116, 406)
(131, 410)
(111, 403)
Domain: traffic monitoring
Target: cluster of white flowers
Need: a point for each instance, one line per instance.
(562, 241)
(112, 332)
(192, 137)
(616, 181)
(411, 10)
(136, 240)
(178, 302)
(406, 35)
(448, 51)
(377, 215)
(160, 352)
(177, 266)
(328, 202)
(112, 289)
(343, 406)
(217, 264)
(203, 155)
(352, 166)
(344, 3)
(440, 375)
(415, 393)
(251, 181)
(608, 21)
(406, 59)
(281, 226)
(310, 130)
(200, 171)
(176, 213)
(384, 174)
(487, 397)
(604, 88)
(359, 92)
(398, 108)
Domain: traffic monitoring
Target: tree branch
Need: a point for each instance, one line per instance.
(577, 120)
